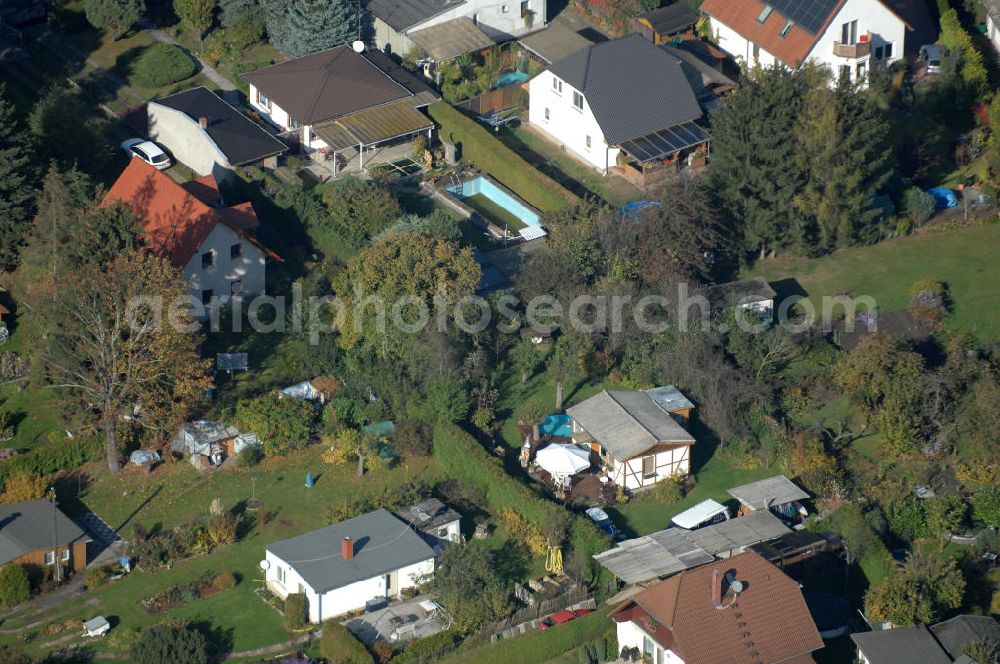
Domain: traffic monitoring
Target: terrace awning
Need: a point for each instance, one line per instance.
(451, 39)
(659, 144)
(373, 125)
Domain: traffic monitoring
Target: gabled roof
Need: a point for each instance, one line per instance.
(632, 86)
(627, 423)
(326, 85)
(670, 19)
(736, 293)
(669, 398)
(777, 490)
(404, 14)
(451, 39)
(767, 622)
(903, 645)
(238, 137)
(175, 218)
(382, 543)
(26, 527)
(960, 631)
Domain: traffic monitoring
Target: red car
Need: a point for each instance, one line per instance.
(560, 617)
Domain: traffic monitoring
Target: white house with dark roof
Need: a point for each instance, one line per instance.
(624, 97)
(362, 561)
(639, 441)
(438, 30)
(439, 524)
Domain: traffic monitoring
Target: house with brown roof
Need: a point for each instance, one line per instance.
(342, 106)
(213, 244)
(849, 37)
(741, 609)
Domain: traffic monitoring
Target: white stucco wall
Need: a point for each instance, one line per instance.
(185, 139)
(385, 35)
(872, 17)
(248, 268)
(567, 125)
(631, 635)
(494, 17)
(339, 601)
(450, 532)
(670, 462)
(993, 32)
(273, 113)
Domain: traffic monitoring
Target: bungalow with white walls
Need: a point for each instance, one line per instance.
(341, 105)
(637, 434)
(360, 562)
(624, 104)
(439, 30)
(849, 37)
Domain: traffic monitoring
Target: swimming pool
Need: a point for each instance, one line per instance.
(556, 425)
(482, 187)
(511, 78)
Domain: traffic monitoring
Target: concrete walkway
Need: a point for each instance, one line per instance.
(211, 73)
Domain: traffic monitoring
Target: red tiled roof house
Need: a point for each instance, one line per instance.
(741, 610)
(213, 245)
(850, 37)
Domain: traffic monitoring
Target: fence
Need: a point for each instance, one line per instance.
(493, 101)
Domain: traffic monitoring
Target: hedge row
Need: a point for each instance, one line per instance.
(538, 646)
(61, 455)
(339, 646)
(465, 460)
(493, 157)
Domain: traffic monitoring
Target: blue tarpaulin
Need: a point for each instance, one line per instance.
(635, 208)
(943, 197)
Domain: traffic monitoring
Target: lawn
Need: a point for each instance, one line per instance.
(566, 169)
(176, 493)
(964, 259)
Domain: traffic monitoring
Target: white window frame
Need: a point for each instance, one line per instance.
(578, 97)
(64, 555)
(546, 114)
(263, 100)
(50, 558)
(557, 85)
(587, 142)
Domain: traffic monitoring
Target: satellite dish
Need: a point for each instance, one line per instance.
(265, 565)
(737, 586)
(358, 46)
(237, 287)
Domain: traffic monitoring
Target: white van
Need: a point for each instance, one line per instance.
(705, 513)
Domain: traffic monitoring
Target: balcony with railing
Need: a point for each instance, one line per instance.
(859, 49)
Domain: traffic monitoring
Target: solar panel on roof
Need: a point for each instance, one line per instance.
(808, 14)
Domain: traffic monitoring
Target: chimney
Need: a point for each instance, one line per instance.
(203, 122)
(716, 588)
(347, 548)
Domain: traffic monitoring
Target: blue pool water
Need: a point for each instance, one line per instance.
(482, 185)
(556, 425)
(511, 78)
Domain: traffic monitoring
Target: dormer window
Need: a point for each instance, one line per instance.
(764, 13)
(785, 30)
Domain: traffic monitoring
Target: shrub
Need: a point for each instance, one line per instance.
(918, 205)
(59, 454)
(161, 64)
(537, 646)
(282, 425)
(14, 585)
(413, 437)
(24, 486)
(339, 646)
(222, 529)
(907, 519)
(360, 210)
(986, 506)
(170, 643)
(295, 611)
(670, 490)
(493, 157)
(250, 456)
(95, 577)
(224, 580)
(429, 649)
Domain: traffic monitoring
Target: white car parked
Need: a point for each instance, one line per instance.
(148, 151)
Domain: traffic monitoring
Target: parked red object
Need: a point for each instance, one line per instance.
(560, 617)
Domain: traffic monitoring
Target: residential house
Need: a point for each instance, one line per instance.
(742, 609)
(212, 244)
(664, 23)
(639, 441)
(622, 105)
(438, 523)
(339, 104)
(777, 494)
(941, 643)
(210, 136)
(37, 532)
(848, 37)
(672, 550)
(438, 30)
(357, 563)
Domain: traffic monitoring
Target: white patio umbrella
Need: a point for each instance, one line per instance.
(563, 460)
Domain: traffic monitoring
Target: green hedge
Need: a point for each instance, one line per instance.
(60, 455)
(537, 646)
(493, 157)
(161, 64)
(465, 460)
(339, 646)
